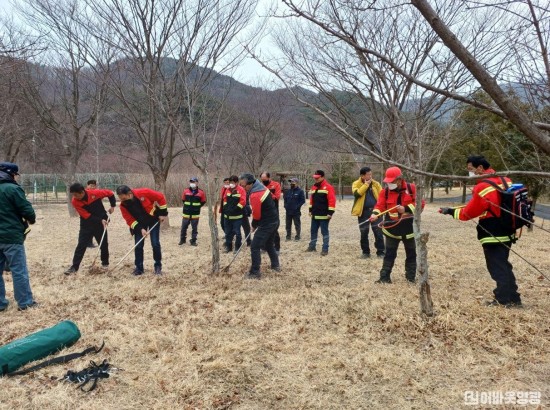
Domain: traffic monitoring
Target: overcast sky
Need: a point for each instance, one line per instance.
(250, 72)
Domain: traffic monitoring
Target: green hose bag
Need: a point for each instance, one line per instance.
(37, 346)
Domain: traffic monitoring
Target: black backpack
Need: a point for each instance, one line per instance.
(515, 205)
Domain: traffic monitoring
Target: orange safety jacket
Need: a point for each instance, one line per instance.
(485, 204)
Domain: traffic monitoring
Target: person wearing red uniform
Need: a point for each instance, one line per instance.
(275, 188)
(143, 210)
(322, 204)
(495, 238)
(233, 212)
(265, 222)
(218, 207)
(93, 221)
(193, 199)
(398, 198)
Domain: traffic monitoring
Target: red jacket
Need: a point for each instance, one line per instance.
(234, 202)
(485, 204)
(87, 206)
(322, 200)
(147, 197)
(193, 200)
(275, 189)
(408, 200)
(406, 197)
(222, 197)
(264, 209)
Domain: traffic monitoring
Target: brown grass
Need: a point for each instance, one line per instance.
(318, 335)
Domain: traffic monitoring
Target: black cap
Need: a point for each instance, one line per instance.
(9, 168)
(319, 172)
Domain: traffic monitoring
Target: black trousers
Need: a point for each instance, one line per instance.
(264, 238)
(496, 258)
(391, 253)
(364, 230)
(85, 236)
(246, 229)
(297, 224)
(194, 228)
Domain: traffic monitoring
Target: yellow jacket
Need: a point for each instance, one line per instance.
(359, 190)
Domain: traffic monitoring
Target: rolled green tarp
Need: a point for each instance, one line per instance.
(37, 346)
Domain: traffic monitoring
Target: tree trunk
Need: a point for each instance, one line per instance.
(421, 240)
(70, 178)
(160, 185)
(210, 188)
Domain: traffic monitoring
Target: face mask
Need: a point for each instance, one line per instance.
(231, 186)
(471, 173)
(192, 186)
(391, 187)
(266, 183)
(226, 186)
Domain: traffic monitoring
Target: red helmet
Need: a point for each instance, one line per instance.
(391, 174)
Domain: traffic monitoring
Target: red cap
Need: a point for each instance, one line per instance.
(391, 174)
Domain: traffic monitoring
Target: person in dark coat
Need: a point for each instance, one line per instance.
(294, 198)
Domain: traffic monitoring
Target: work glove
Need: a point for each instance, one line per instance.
(447, 211)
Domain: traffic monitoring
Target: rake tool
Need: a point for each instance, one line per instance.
(100, 242)
(133, 247)
(226, 269)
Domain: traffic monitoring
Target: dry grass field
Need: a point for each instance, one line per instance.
(318, 335)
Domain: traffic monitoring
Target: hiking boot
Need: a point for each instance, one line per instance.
(137, 272)
(411, 281)
(380, 255)
(310, 249)
(383, 281)
(324, 253)
(105, 266)
(158, 270)
(91, 246)
(297, 238)
(193, 243)
(507, 305)
(276, 268)
(33, 305)
(228, 250)
(365, 256)
(288, 238)
(70, 271)
(182, 241)
(2, 308)
(250, 275)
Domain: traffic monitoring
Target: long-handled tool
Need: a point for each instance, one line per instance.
(134, 247)
(381, 213)
(226, 269)
(100, 242)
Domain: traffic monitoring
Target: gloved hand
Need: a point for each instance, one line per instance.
(447, 211)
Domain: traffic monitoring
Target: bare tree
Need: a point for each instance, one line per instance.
(257, 128)
(66, 94)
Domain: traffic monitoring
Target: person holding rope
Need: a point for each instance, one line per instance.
(143, 210)
(397, 201)
(265, 222)
(366, 192)
(93, 221)
(495, 238)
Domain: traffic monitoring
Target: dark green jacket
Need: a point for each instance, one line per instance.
(14, 211)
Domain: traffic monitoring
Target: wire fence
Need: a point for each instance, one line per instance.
(52, 188)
